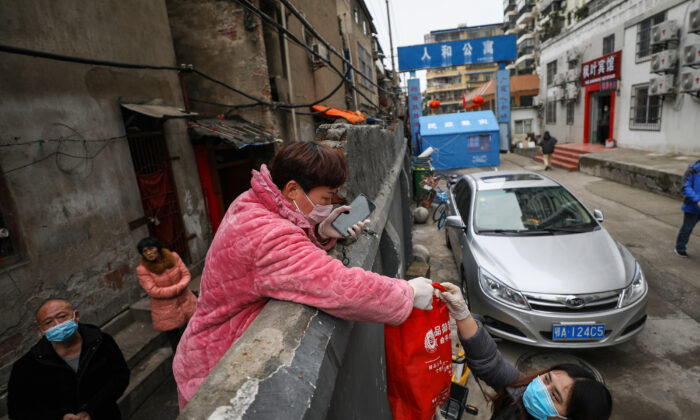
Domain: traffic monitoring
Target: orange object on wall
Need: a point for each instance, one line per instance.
(352, 117)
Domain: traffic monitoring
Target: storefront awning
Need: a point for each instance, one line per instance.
(159, 111)
(235, 131)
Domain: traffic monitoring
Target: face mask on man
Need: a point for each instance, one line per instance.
(319, 212)
(538, 402)
(62, 332)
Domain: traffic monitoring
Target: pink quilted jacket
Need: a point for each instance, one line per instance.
(264, 249)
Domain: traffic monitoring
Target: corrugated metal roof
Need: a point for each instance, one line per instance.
(517, 84)
(159, 111)
(236, 131)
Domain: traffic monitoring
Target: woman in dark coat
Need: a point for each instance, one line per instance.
(561, 391)
(547, 144)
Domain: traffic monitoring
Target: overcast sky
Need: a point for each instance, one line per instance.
(411, 19)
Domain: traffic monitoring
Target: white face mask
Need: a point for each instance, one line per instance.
(319, 212)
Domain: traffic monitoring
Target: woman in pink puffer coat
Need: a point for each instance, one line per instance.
(165, 278)
(272, 244)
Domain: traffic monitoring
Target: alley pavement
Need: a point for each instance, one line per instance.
(656, 375)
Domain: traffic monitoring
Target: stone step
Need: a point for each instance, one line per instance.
(146, 377)
(562, 163)
(137, 340)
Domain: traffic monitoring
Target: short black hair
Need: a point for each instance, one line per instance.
(51, 299)
(149, 242)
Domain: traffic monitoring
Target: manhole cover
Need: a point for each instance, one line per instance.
(535, 360)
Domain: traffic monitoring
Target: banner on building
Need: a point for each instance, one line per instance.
(415, 111)
(503, 95)
(601, 69)
(457, 53)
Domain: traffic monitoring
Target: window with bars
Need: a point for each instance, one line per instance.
(365, 66)
(608, 44)
(523, 126)
(645, 110)
(644, 47)
(551, 112)
(570, 113)
(551, 71)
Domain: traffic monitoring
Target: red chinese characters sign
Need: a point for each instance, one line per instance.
(603, 68)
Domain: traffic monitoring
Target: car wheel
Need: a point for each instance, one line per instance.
(447, 239)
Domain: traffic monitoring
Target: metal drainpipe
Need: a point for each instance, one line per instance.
(346, 41)
(283, 16)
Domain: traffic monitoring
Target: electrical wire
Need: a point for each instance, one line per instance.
(29, 142)
(265, 17)
(58, 153)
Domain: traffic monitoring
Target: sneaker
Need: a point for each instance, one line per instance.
(681, 253)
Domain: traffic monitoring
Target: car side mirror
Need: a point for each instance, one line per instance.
(598, 215)
(454, 222)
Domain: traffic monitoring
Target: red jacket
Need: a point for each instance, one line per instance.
(264, 249)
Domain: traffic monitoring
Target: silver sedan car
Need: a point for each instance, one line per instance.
(539, 266)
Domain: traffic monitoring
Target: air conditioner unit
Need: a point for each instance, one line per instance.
(691, 54)
(690, 81)
(661, 85)
(573, 75)
(536, 101)
(664, 32)
(559, 79)
(694, 20)
(571, 91)
(558, 94)
(664, 60)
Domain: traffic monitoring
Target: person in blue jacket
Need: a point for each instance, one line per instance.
(691, 207)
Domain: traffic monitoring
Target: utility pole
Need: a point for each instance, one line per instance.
(394, 76)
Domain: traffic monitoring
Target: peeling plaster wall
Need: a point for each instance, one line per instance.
(73, 213)
(295, 362)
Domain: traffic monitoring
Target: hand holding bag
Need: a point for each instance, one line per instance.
(419, 362)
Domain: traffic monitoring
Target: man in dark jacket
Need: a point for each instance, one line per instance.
(691, 207)
(74, 372)
(547, 144)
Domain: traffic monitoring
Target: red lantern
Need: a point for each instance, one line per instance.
(434, 104)
(478, 101)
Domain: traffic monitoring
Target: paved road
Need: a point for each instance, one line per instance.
(657, 374)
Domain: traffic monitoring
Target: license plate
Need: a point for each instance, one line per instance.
(592, 331)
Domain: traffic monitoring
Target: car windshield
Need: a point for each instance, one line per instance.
(544, 210)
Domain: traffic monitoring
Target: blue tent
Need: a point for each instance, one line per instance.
(461, 140)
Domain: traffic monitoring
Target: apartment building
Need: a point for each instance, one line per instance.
(448, 84)
(625, 70)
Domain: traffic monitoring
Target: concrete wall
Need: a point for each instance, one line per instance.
(223, 40)
(73, 213)
(678, 122)
(295, 362)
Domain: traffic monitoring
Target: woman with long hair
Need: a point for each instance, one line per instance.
(561, 391)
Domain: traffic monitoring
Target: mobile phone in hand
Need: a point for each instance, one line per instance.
(360, 208)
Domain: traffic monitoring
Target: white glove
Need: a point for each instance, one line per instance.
(422, 293)
(326, 229)
(454, 301)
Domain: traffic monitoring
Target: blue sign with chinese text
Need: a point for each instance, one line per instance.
(415, 111)
(457, 53)
(503, 95)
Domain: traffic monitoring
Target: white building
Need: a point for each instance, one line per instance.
(595, 76)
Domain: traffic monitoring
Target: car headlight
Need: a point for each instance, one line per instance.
(635, 290)
(500, 292)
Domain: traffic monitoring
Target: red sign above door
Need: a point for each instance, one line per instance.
(602, 68)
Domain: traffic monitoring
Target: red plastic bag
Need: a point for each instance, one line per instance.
(419, 363)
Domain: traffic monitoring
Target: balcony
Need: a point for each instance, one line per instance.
(525, 18)
(524, 58)
(508, 5)
(511, 31)
(526, 31)
(524, 37)
(524, 6)
(528, 50)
